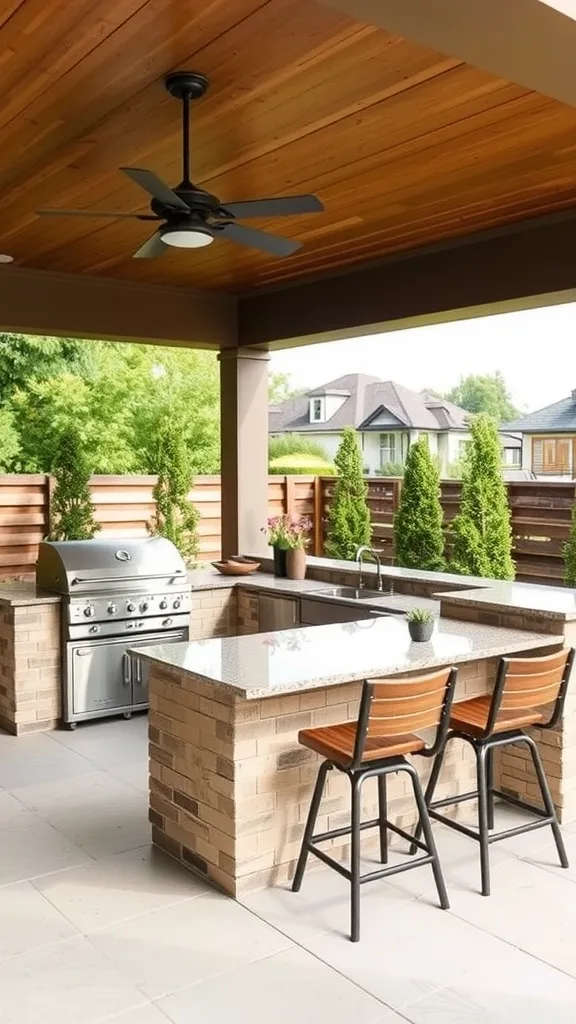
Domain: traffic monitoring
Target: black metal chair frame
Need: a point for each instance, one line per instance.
(484, 747)
(357, 773)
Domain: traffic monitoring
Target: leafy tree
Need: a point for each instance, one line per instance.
(391, 469)
(349, 524)
(9, 443)
(72, 511)
(25, 358)
(418, 535)
(481, 533)
(176, 517)
(484, 394)
(292, 444)
(570, 553)
(279, 388)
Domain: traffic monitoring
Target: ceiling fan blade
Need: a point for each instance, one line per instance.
(274, 244)
(155, 187)
(153, 247)
(282, 206)
(95, 213)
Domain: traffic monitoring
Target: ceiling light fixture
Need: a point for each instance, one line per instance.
(4, 258)
(186, 237)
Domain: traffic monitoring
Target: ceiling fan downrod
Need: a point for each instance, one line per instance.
(186, 86)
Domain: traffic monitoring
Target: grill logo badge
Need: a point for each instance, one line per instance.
(123, 556)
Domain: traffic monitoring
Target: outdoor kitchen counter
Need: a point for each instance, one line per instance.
(21, 593)
(230, 785)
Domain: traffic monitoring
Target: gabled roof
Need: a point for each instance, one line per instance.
(555, 418)
(365, 399)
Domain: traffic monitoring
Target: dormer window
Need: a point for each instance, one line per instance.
(317, 410)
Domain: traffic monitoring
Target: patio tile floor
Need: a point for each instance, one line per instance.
(96, 926)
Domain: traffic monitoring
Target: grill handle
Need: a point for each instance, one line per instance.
(126, 669)
(125, 579)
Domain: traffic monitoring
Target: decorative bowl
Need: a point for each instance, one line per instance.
(232, 568)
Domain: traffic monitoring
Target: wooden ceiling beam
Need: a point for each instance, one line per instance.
(524, 41)
(82, 306)
(525, 265)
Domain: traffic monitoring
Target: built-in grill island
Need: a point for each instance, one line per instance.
(113, 590)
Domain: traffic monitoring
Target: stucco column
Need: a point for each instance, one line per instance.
(244, 450)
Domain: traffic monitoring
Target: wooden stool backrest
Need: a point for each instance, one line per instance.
(399, 707)
(531, 683)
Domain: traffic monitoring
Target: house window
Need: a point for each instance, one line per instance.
(551, 455)
(462, 446)
(388, 449)
(317, 410)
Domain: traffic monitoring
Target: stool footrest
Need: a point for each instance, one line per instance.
(529, 826)
(336, 833)
(517, 802)
(371, 876)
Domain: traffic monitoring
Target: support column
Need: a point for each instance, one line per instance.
(244, 450)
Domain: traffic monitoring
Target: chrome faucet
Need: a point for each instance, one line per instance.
(369, 551)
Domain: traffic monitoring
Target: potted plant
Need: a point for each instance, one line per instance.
(276, 529)
(297, 538)
(420, 624)
(287, 537)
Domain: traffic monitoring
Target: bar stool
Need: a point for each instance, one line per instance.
(523, 687)
(377, 745)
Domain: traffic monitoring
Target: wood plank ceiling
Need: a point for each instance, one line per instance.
(403, 145)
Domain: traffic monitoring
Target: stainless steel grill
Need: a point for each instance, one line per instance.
(113, 589)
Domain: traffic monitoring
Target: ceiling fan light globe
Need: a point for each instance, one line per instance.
(187, 237)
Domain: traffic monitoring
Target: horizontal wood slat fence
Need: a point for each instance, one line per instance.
(124, 506)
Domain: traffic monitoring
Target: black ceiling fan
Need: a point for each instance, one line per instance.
(189, 216)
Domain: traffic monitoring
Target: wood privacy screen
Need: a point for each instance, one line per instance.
(124, 506)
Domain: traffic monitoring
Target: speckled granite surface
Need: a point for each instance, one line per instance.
(550, 602)
(22, 593)
(272, 664)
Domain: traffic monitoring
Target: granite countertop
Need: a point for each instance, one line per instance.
(272, 664)
(19, 592)
(549, 602)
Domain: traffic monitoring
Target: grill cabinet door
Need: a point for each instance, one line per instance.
(101, 676)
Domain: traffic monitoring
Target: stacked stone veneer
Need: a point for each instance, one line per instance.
(30, 679)
(230, 786)
(514, 770)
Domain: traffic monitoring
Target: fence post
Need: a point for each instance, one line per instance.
(48, 505)
(289, 496)
(317, 519)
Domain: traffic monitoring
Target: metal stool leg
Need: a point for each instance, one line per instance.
(490, 787)
(481, 755)
(356, 784)
(429, 795)
(426, 827)
(382, 813)
(548, 802)
(310, 823)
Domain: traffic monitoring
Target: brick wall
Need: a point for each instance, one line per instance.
(30, 686)
(213, 613)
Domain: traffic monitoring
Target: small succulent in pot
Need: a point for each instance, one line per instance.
(420, 624)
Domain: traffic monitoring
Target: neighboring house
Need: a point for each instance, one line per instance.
(387, 416)
(549, 439)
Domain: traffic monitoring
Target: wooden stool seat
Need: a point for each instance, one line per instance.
(392, 713)
(525, 690)
(471, 717)
(337, 742)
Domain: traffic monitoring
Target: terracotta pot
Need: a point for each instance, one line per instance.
(296, 564)
(279, 562)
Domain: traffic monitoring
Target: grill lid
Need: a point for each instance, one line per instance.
(85, 566)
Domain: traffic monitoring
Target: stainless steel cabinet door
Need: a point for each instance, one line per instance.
(276, 613)
(100, 676)
(140, 670)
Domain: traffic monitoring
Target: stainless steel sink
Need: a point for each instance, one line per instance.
(355, 594)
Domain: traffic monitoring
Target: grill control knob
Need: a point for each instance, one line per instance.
(163, 604)
(144, 606)
(167, 622)
(112, 609)
(94, 628)
(177, 603)
(89, 611)
(130, 607)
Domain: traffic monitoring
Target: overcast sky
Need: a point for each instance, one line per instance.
(534, 349)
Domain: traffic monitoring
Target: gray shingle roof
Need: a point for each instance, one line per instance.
(367, 397)
(556, 418)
